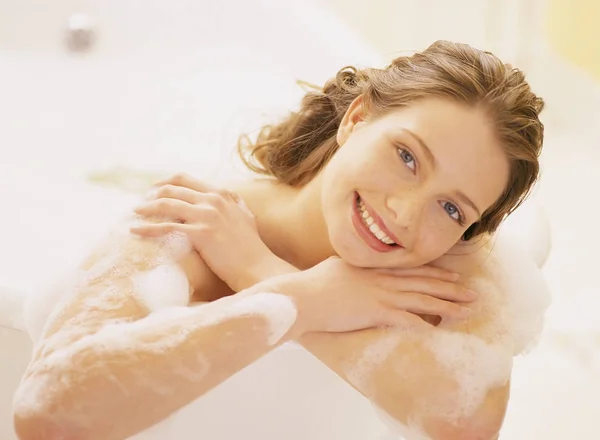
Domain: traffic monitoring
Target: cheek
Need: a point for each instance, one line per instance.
(435, 239)
(365, 163)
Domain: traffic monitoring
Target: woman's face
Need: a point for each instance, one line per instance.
(403, 188)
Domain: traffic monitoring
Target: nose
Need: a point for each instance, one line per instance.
(407, 214)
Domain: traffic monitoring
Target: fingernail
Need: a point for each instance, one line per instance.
(455, 276)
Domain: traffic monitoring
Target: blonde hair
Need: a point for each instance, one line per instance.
(297, 148)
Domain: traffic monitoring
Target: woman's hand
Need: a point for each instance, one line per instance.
(334, 296)
(218, 224)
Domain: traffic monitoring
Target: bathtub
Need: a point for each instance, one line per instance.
(162, 86)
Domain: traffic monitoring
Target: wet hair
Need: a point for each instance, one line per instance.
(294, 150)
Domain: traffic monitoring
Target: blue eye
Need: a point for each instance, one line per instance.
(453, 212)
(407, 158)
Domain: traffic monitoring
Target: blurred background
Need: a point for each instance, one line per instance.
(100, 97)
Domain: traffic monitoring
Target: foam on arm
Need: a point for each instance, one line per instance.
(121, 350)
(452, 381)
(435, 385)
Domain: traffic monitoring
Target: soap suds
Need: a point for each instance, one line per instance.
(526, 293)
(477, 354)
(359, 373)
(475, 365)
(278, 310)
(164, 286)
(145, 337)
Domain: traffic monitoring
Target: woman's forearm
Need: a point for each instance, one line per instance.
(113, 361)
(268, 267)
(127, 377)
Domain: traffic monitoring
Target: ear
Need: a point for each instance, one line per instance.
(353, 117)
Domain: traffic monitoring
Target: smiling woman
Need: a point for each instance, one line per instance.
(412, 189)
(378, 188)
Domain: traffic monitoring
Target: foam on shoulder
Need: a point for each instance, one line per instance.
(476, 354)
(164, 286)
(516, 294)
(528, 294)
(359, 373)
(148, 265)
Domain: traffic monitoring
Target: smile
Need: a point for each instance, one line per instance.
(371, 228)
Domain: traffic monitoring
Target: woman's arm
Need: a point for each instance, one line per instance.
(450, 382)
(123, 351)
(405, 373)
(447, 382)
(444, 385)
(116, 357)
(126, 377)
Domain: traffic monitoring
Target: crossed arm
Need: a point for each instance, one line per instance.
(108, 367)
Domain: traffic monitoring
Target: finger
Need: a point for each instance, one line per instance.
(187, 181)
(160, 229)
(169, 208)
(424, 271)
(427, 305)
(440, 289)
(175, 192)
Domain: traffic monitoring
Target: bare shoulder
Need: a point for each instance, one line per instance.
(121, 260)
(450, 370)
(513, 293)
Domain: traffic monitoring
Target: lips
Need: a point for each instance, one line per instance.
(366, 234)
(379, 222)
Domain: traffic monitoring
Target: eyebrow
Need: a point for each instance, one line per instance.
(424, 147)
(469, 202)
(431, 159)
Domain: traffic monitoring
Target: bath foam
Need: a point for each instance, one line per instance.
(279, 312)
(174, 245)
(474, 364)
(526, 294)
(507, 319)
(164, 286)
(119, 255)
(155, 334)
(122, 253)
(151, 273)
(359, 373)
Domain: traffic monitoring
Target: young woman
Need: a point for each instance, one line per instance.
(371, 225)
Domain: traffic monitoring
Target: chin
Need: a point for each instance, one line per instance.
(358, 260)
(352, 254)
(361, 256)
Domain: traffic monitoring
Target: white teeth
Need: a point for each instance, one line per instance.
(375, 230)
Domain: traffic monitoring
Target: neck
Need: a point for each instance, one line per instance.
(289, 220)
